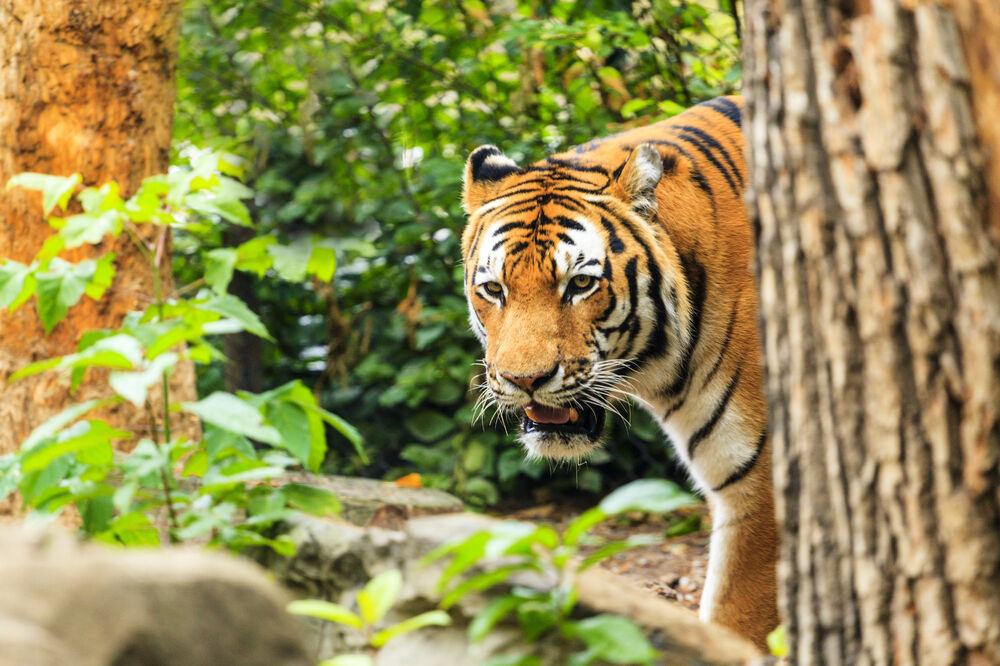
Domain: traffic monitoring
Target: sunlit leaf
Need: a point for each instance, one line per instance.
(430, 618)
(226, 411)
(325, 610)
(379, 595)
(56, 190)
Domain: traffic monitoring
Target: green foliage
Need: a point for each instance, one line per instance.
(511, 547)
(354, 121)
(374, 602)
(777, 641)
(216, 489)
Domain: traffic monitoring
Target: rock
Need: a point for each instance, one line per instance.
(62, 602)
(381, 503)
(335, 559)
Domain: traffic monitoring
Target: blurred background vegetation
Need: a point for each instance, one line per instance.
(354, 120)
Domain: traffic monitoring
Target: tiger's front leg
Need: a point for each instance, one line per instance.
(741, 583)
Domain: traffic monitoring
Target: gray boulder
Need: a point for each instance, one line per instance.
(63, 602)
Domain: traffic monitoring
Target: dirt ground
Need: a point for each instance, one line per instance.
(674, 569)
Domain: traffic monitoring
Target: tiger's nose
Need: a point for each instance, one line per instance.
(529, 382)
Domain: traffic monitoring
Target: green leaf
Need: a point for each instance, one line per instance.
(292, 261)
(98, 200)
(324, 610)
(133, 529)
(633, 106)
(197, 464)
(12, 282)
(582, 523)
(292, 423)
(341, 426)
(55, 423)
(615, 547)
(232, 307)
(684, 526)
(493, 614)
(56, 190)
(485, 581)
(252, 256)
(777, 641)
(96, 513)
(90, 228)
(649, 495)
(322, 263)
(312, 500)
(104, 274)
(431, 618)
(379, 595)
(119, 352)
(615, 639)
(230, 209)
(52, 246)
(134, 386)
(226, 411)
(536, 617)
(79, 438)
(60, 288)
(219, 266)
(429, 426)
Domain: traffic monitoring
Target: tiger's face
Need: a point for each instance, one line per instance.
(559, 291)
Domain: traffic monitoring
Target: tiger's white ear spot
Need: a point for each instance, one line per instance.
(486, 167)
(488, 163)
(639, 177)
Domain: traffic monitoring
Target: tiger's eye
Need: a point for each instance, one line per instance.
(493, 288)
(582, 281)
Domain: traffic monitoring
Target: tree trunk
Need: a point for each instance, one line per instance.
(877, 246)
(85, 86)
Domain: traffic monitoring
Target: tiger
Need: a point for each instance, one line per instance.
(622, 268)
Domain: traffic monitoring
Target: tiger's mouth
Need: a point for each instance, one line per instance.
(587, 420)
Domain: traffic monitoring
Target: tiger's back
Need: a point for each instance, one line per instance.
(624, 266)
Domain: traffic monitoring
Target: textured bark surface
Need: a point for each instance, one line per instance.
(85, 86)
(874, 203)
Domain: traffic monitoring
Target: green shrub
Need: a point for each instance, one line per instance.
(248, 439)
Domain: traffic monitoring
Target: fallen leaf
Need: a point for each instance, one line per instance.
(409, 481)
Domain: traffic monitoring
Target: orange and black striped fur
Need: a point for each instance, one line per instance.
(623, 268)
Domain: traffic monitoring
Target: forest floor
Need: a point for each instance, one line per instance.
(674, 569)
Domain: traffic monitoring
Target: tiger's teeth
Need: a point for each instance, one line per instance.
(574, 416)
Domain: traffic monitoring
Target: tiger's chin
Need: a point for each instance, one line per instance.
(568, 440)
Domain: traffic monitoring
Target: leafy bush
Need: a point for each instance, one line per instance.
(69, 459)
(374, 602)
(511, 547)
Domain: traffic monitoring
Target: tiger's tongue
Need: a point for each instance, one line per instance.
(545, 414)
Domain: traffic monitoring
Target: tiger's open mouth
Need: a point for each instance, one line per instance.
(586, 420)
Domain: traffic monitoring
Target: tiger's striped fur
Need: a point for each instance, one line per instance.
(623, 268)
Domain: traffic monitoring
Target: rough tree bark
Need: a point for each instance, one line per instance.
(877, 257)
(85, 86)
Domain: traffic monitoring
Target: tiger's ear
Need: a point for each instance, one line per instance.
(639, 177)
(486, 167)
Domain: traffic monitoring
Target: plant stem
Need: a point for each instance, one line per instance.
(168, 499)
(154, 260)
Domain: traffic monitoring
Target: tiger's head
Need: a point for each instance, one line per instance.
(566, 289)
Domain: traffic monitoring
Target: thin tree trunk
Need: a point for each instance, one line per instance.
(877, 255)
(244, 369)
(85, 86)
